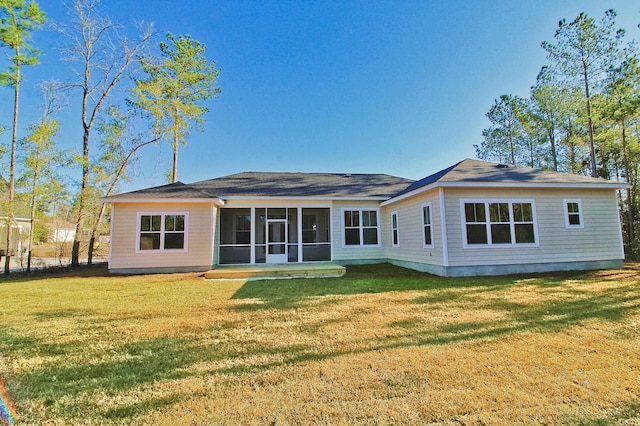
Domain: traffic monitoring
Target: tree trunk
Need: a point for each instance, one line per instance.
(32, 218)
(119, 173)
(625, 162)
(75, 252)
(174, 173)
(94, 233)
(176, 143)
(92, 241)
(86, 125)
(552, 141)
(513, 154)
(12, 176)
(531, 154)
(592, 146)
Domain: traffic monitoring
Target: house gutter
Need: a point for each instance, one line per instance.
(519, 185)
(301, 198)
(112, 200)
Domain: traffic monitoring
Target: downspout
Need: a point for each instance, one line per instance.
(252, 238)
(617, 209)
(213, 255)
(331, 228)
(113, 216)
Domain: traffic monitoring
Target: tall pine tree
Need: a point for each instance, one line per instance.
(18, 20)
(582, 53)
(175, 86)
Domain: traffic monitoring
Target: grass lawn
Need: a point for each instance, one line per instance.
(382, 345)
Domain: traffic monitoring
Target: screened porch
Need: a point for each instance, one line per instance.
(274, 235)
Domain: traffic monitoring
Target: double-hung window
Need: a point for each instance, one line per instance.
(395, 237)
(162, 231)
(427, 226)
(242, 228)
(498, 223)
(573, 214)
(361, 227)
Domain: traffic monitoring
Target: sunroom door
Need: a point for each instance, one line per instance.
(277, 241)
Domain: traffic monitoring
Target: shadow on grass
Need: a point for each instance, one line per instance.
(610, 305)
(144, 406)
(95, 270)
(625, 414)
(59, 314)
(359, 279)
(20, 346)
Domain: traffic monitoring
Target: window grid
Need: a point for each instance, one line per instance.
(573, 214)
(361, 227)
(427, 227)
(499, 223)
(395, 235)
(161, 231)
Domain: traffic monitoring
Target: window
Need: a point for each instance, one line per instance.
(316, 239)
(360, 227)
(234, 235)
(476, 222)
(500, 220)
(523, 223)
(496, 223)
(427, 227)
(242, 226)
(309, 228)
(573, 214)
(162, 231)
(394, 230)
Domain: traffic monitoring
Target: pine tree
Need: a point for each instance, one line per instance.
(17, 21)
(582, 53)
(176, 84)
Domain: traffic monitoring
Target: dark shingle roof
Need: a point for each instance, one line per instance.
(172, 190)
(251, 184)
(266, 184)
(353, 186)
(476, 171)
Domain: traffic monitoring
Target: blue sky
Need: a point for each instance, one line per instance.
(397, 87)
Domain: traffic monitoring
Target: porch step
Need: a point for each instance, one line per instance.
(315, 270)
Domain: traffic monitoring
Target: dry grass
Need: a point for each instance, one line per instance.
(381, 346)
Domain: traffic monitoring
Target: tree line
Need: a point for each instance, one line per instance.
(132, 88)
(582, 115)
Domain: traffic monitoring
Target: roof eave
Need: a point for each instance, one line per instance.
(112, 200)
(572, 185)
(529, 185)
(301, 198)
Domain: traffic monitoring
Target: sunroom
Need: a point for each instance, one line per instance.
(271, 235)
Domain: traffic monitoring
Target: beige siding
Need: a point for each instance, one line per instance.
(123, 239)
(598, 240)
(410, 229)
(343, 253)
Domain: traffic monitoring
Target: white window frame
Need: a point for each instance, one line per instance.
(162, 215)
(314, 230)
(422, 224)
(565, 204)
(361, 227)
(235, 230)
(395, 230)
(512, 223)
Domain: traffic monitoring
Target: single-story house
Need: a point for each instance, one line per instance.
(473, 218)
(63, 231)
(19, 229)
